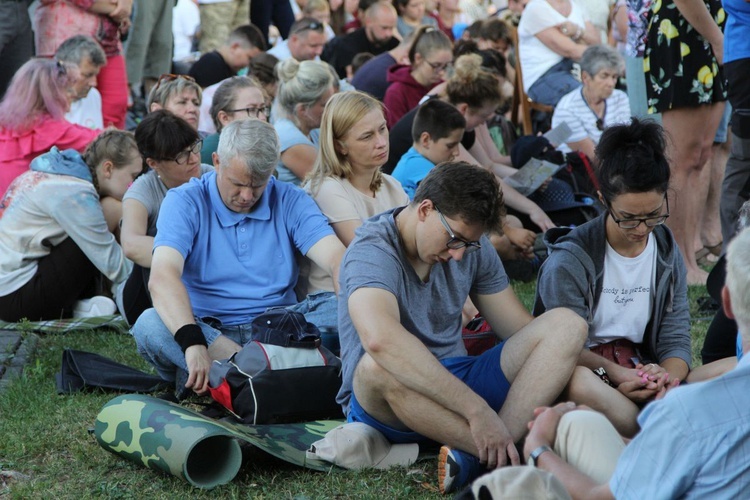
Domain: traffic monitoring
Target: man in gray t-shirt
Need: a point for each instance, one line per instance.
(403, 283)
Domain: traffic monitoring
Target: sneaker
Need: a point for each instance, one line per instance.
(95, 306)
(456, 469)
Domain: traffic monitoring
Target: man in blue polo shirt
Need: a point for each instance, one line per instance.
(225, 252)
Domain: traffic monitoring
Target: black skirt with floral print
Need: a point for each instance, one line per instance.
(681, 69)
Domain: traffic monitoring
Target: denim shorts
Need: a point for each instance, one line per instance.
(481, 373)
(721, 132)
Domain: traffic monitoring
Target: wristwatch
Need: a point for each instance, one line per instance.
(536, 453)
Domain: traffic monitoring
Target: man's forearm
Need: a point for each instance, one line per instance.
(171, 301)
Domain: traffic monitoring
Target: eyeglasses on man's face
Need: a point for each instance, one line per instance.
(252, 111)
(183, 157)
(632, 223)
(455, 242)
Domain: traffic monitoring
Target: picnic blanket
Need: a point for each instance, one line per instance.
(115, 322)
(202, 451)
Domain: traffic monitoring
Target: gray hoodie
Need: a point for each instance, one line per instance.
(572, 277)
(53, 201)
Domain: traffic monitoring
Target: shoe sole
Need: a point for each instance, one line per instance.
(444, 470)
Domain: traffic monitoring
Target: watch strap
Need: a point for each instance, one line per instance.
(536, 453)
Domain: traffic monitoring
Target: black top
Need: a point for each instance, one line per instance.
(209, 69)
(340, 51)
(400, 140)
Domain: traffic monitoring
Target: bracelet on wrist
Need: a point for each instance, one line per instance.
(190, 335)
(578, 34)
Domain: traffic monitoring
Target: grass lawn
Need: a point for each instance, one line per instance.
(46, 449)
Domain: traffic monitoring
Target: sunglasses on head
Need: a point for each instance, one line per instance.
(169, 77)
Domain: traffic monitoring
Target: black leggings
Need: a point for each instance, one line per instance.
(63, 277)
(135, 296)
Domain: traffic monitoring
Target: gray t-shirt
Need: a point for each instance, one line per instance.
(150, 191)
(431, 311)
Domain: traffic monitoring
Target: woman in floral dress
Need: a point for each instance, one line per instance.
(684, 82)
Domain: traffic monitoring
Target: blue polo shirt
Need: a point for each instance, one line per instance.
(238, 265)
(411, 169)
(736, 41)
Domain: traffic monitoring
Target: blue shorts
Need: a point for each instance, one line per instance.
(481, 373)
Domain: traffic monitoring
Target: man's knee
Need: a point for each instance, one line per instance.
(148, 327)
(566, 328)
(588, 441)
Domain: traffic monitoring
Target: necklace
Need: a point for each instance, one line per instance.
(599, 120)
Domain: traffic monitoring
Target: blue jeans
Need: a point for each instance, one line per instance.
(157, 345)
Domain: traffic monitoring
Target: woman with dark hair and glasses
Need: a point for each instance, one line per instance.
(179, 94)
(623, 273)
(170, 148)
(597, 104)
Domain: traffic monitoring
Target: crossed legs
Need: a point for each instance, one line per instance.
(538, 361)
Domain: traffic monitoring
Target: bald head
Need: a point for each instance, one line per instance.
(380, 21)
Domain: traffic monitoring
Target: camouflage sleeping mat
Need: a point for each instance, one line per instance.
(202, 451)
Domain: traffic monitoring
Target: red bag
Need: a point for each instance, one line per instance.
(478, 336)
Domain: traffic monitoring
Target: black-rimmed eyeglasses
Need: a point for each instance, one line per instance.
(183, 157)
(633, 223)
(455, 242)
(252, 111)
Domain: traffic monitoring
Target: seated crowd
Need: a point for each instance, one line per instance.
(370, 175)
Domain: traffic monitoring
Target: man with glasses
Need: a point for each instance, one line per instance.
(404, 281)
(307, 37)
(224, 252)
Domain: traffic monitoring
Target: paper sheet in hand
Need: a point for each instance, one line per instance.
(559, 134)
(532, 175)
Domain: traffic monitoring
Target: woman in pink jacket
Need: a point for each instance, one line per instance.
(32, 117)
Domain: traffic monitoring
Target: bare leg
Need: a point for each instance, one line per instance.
(538, 361)
(691, 133)
(711, 225)
(585, 388)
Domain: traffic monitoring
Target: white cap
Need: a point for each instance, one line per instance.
(520, 482)
(356, 445)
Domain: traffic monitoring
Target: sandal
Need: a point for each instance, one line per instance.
(705, 257)
(715, 249)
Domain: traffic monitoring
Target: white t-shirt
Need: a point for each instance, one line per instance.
(186, 20)
(87, 112)
(627, 299)
(281, 51)
(573, 110)
(537, 58)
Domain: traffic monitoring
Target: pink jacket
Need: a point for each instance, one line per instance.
(17, 149)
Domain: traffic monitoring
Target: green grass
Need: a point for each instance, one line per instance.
(46, 438)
